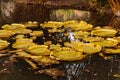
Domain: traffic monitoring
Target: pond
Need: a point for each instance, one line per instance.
(91, 68)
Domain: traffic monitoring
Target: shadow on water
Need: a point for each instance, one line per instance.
(92, 68)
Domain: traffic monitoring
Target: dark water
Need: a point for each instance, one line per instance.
(91, 68)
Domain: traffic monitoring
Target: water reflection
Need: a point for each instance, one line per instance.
(69, 14)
